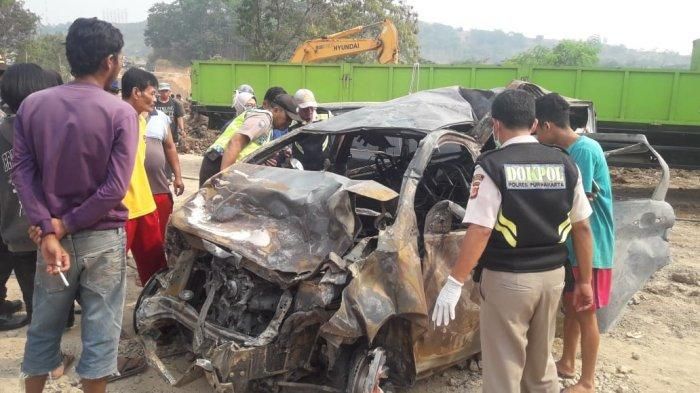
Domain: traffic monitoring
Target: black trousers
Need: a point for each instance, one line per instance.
(24, 266)
(209, 168)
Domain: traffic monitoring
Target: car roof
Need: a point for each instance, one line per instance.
(425, 111)
(539, 91)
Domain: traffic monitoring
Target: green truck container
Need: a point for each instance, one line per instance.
(663, 104)
(695, 56)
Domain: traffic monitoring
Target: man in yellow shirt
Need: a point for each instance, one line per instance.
(143, 235)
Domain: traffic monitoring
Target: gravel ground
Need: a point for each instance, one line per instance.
(654, 348)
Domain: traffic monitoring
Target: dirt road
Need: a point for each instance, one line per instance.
(654, 348)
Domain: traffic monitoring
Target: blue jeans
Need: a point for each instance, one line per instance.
(98, 274)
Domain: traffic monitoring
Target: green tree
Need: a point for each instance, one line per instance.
(565, 53)
(17, 26)
(536, 56)
(576, 53)
(48, 51)
(193, 29)
(272, 29)
(349, 13)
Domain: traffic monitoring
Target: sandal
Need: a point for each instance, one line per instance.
(565, 376)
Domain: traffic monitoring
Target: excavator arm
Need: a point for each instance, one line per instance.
(337, 45)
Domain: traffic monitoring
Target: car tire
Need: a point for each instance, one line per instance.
(367, 370)
(152, 286)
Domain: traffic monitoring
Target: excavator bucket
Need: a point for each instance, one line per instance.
(389, 37)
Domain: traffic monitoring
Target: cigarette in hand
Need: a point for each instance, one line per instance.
(65, 282)
(60, 273)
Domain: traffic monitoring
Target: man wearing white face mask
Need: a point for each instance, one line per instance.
(525, 199)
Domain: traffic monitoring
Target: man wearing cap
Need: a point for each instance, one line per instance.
(306, 102)
(311, 150)
(173, 109)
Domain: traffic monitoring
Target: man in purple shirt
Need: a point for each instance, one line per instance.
(75, 148)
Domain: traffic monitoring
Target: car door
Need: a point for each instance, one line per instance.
(642, 225)
(442, 234)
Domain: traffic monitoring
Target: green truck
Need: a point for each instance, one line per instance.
(662, 104)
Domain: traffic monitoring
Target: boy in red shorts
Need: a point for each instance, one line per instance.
(554, 128)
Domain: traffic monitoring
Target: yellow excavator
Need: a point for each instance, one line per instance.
(338, 45)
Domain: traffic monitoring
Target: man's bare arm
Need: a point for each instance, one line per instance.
(170, 150)
(181, 126)
(233, 150)
(583, 248)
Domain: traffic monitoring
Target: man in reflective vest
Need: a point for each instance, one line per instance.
(247, 135)
(525, 200)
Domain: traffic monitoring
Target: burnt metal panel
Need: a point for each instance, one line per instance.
(285, 220)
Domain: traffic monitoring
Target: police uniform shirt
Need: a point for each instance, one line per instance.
(485, 198)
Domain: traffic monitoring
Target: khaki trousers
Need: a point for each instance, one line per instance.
(518, 313)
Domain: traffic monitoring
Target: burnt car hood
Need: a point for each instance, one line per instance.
(284, 220)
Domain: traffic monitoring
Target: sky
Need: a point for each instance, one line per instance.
(641, 24)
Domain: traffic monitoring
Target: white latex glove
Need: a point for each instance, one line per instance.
(446, 302)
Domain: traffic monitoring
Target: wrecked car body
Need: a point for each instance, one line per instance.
(282, 279)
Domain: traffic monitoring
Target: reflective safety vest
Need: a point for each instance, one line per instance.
(537, 184)
(223, 140)
(312, 150)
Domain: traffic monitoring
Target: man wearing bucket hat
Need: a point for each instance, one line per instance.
(173, 109)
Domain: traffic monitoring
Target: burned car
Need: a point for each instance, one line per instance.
(283, 279)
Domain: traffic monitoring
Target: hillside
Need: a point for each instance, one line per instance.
(448, 45)
(134, 45)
